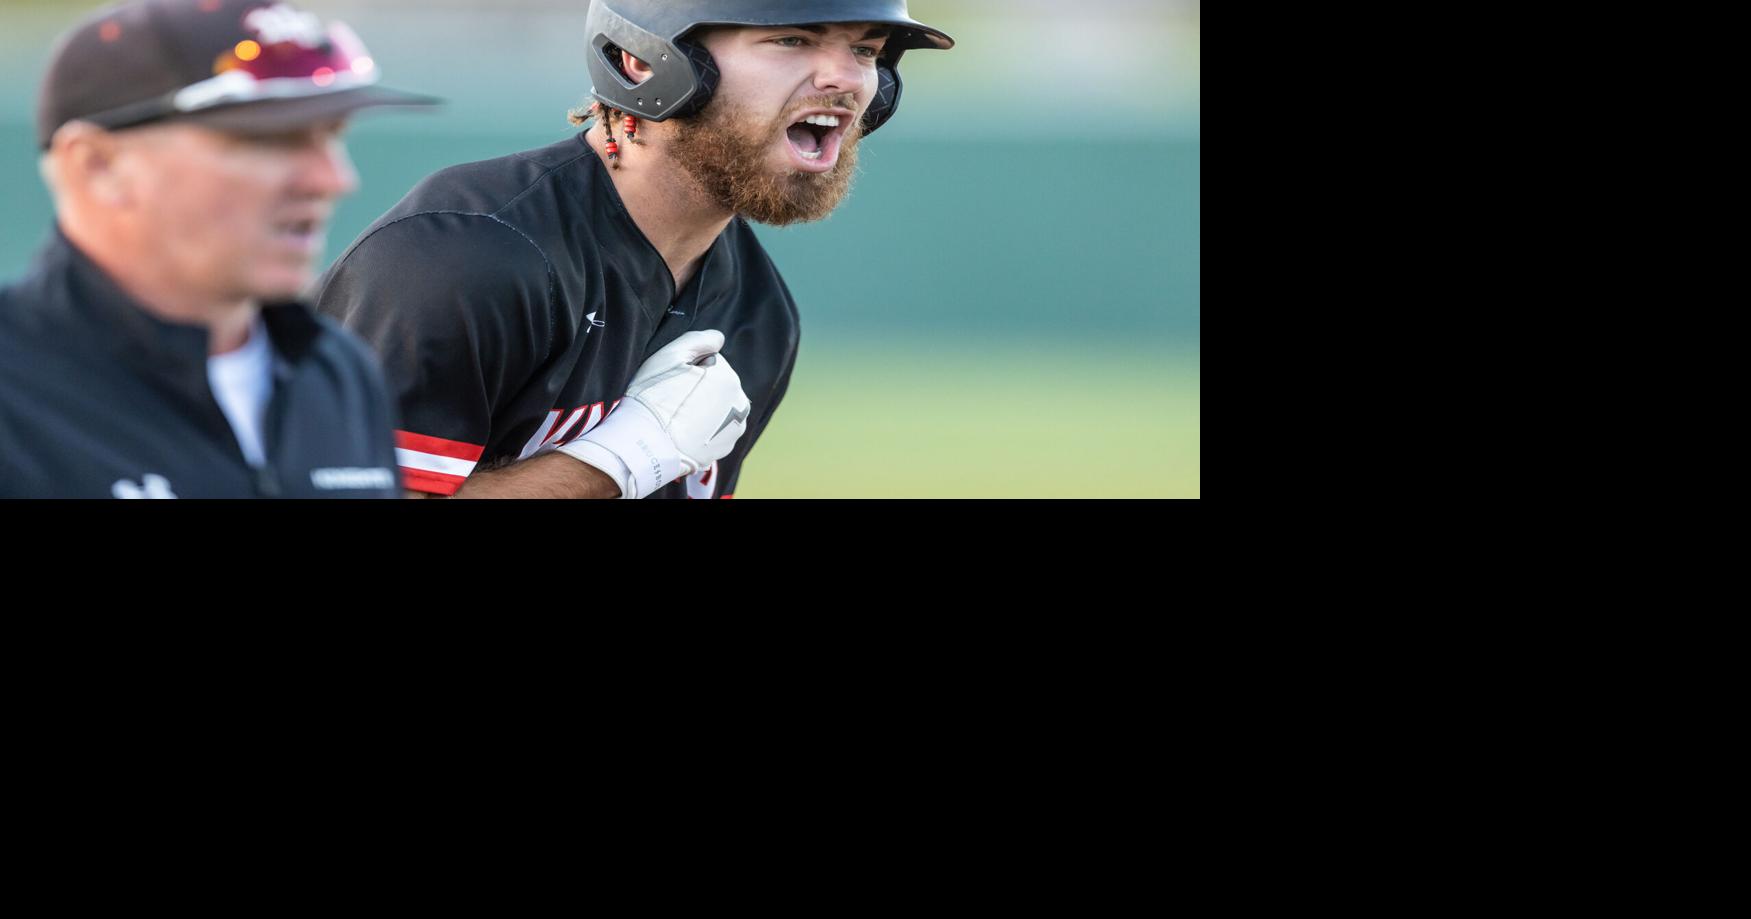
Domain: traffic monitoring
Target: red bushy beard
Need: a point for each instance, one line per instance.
(725, 150)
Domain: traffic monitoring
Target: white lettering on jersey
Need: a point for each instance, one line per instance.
(551, 433)
(352, 478)
(154, 487)
(703, 483)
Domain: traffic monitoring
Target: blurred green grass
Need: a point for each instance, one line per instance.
(915, 421)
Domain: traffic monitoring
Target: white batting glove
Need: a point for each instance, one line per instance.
(683, 411)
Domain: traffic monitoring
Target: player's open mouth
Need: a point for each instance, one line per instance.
(814, 139)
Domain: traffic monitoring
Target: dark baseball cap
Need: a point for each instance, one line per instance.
(248, 66)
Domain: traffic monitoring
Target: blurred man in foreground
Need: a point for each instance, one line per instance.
(193, 151)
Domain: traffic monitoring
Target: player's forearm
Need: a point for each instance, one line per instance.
(551, 475)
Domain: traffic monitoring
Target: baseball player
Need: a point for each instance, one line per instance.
(596, 318)
(192, 149)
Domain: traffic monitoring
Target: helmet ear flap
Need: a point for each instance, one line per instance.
(887, 97)
(705, 75)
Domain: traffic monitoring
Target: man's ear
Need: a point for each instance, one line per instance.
(85, 156)
(635, 70)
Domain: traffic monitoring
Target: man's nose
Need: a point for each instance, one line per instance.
(840, 70)
(328, 170)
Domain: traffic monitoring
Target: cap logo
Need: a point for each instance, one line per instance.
(296, 56)
(281, 23)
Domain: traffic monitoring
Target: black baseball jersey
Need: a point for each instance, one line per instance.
(512, 300)
(101, 399)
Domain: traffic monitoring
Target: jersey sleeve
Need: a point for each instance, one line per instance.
(458, 309)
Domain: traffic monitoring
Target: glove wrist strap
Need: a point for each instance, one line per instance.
(642, 452)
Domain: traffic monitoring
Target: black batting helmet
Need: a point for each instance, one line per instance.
(683, 74)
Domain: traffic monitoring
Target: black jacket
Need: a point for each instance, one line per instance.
(100, 399)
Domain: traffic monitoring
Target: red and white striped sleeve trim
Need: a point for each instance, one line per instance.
(433, 464)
